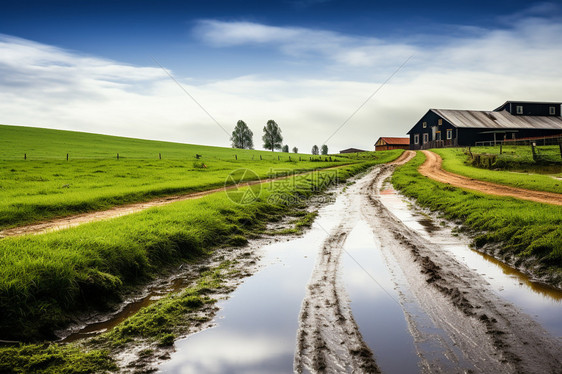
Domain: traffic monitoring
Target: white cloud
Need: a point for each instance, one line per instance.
(46, 86)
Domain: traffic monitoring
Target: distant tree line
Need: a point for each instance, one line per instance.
(243, 138)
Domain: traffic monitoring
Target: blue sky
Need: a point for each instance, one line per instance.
(89, 65)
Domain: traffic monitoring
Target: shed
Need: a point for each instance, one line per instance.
(388, 143)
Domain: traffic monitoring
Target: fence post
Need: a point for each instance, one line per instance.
(25, 156)
(533, 150)
(260, 157)
(560, 145)
(118, 156)
(236, 157)
(159, 156)
(67, 157)
(277, 158)
(501, 148)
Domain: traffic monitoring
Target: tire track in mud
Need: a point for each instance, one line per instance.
(491, 334)
(328, 339)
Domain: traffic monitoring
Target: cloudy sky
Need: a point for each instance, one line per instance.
(327, 71)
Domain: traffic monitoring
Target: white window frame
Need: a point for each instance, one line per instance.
(416, 138)
(425, 138)
(519, 109)
(449, 134)
(424, 125)
(552, 110)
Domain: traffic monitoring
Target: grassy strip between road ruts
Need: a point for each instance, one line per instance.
(456, 161)
(46, 279)
(518, 231)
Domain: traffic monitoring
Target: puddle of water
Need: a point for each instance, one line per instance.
(374, 303)
(537, 300)
(256, 327)
(155, 293)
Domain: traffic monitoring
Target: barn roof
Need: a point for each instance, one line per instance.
(395, 141)
(352, 150)
(498, 120)
(504, 105)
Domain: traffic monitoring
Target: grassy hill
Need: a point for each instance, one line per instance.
(41, 144)
(46, 185)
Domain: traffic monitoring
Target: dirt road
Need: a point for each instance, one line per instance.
(431, 168)
(121, 210)
(480, 331)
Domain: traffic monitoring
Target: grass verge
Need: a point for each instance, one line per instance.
(87, 266)
(521, 233)
(456, 161)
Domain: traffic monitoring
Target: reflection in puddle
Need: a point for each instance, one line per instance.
(374, 303)
(539, 301)
(256, 327)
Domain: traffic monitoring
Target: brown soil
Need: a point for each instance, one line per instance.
(431, 168)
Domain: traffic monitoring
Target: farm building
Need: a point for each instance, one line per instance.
(352, 150)
(512, 120)
(387, 143)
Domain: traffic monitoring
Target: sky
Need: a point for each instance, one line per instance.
(341, 73)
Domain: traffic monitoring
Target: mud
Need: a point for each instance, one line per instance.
(431, 168)
(492, 334)
(328, 338)
(457, 322)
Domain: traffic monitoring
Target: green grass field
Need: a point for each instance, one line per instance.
(455, 160)
(45, 279)
(526, 230)
(46, 185)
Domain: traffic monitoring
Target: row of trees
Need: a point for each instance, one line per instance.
(243, 138)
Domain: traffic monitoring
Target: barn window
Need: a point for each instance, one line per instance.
(424, 125)
(552, 110)
(425, 138)
(449, 134)
(519, 109)
(416, 138)
(439, 121)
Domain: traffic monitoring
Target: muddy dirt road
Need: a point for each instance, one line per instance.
(478, 330)
(402, 303)
(431, 168)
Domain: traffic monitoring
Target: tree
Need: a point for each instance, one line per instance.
(324, 149)
(314, 149)
(286, 148)
(242, 136)
(295, 150)
(272, 136)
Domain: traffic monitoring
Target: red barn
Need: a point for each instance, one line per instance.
(387, 143)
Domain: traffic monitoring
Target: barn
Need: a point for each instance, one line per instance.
(388, 143)
(512, 120)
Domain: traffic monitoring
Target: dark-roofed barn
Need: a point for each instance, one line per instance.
(513, 120)
(352, 150)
